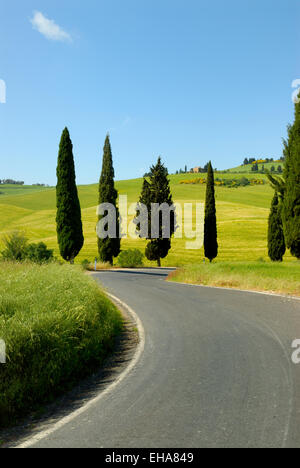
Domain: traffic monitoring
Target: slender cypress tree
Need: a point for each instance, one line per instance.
(291, 202)
(68, 217)
(276, 242)
(108, 248)
(278, 184)
(158, 192)
(210, 224)
(145, 199)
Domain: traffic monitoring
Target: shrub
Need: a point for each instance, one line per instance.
(58, 327)
(131, 258)
(15, 246)
(86, 264)
(18, 249)
(38, 253)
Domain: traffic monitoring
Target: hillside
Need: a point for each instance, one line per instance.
(242, 217)
(248, 168)
(7, 190)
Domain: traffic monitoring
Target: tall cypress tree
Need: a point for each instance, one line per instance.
(145, 199)
(68, 217)
(159, 192)
(276, 242)
(291, 202)
(210, 224)
(108, 248)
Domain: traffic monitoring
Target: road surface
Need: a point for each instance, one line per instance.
(216, 371)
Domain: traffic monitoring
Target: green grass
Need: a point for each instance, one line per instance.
(257, 276)
(57, 325)
(12, 189)
(242, 218)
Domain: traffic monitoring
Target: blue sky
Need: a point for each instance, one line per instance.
(189, 80)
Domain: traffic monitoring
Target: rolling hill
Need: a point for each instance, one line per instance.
(242, 217)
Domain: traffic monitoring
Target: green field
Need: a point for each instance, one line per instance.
(242, 218)
(6, 190)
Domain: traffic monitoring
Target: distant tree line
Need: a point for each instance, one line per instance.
(248, 161)
(18, 182)
(11, 182)
(194, 170)
(182, 171)
(263, 170)
(231, 183)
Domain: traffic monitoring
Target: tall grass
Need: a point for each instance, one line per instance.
(283, 278)
(57, 326)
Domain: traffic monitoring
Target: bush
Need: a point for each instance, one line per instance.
(15, 246)
(58, 327)
(86, 264)
(131, 258)
(18, 249)
(38, 253)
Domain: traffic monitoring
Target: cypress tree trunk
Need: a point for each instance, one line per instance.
(291, 202)
(108, 248)
(68, 218)
(276, 242)
(210, 224)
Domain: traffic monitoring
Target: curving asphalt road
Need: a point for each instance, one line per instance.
(216, 371)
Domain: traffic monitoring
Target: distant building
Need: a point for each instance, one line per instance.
(196, 170)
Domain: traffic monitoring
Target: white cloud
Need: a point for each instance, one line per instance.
(49, 28)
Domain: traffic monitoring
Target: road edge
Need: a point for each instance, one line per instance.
(67, 419)
(251, 291)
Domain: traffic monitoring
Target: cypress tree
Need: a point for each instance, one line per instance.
(291, 202)
(145, 199)
(210, 224)
(68, 217)
(278, 184)
(157, 249)
(276, 242)
(159, 192)
(108, 248)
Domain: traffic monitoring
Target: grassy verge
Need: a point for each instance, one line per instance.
(282, 278)
(57, 325)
